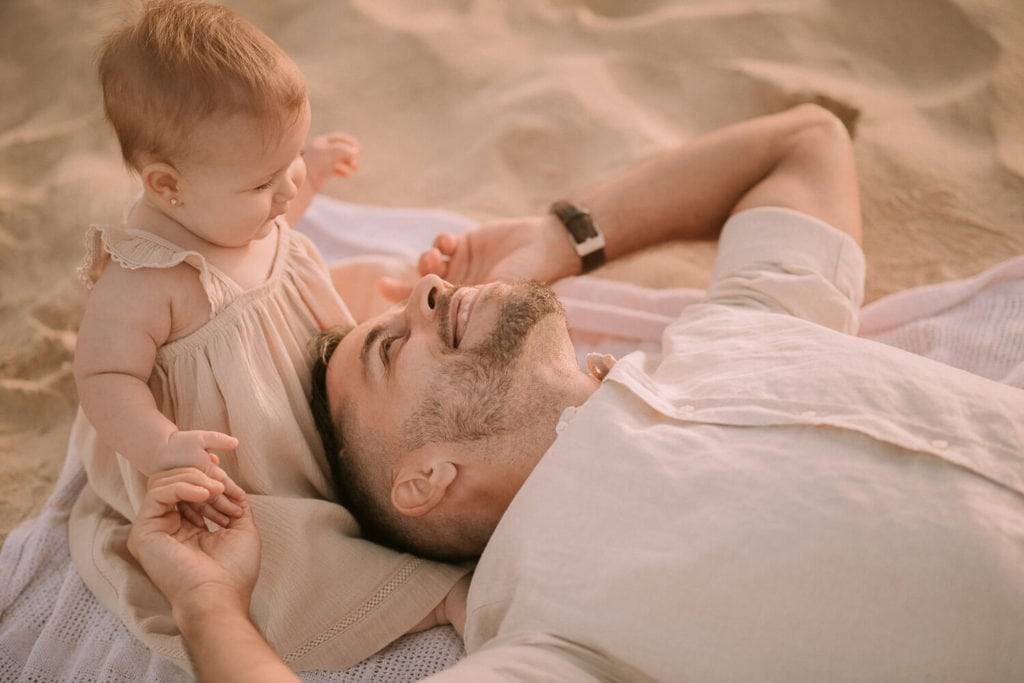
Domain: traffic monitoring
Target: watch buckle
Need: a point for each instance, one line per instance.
(590, 245)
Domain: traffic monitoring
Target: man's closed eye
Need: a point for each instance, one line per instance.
(385, 352)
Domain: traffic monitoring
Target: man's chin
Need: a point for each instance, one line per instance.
(522, 309)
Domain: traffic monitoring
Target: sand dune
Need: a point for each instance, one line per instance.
(492, 108)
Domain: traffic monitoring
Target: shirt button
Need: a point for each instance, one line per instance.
(809, 413)
(940, 443)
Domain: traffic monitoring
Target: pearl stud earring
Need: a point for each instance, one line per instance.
(174, 201)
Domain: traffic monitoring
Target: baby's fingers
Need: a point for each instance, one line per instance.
(218, 440)
(343, 139)
(346, 168)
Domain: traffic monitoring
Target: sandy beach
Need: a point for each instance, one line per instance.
(494, 108)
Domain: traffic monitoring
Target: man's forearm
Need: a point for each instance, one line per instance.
(225, 646)
(688, 192)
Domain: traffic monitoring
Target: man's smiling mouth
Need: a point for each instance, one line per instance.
(461, 309)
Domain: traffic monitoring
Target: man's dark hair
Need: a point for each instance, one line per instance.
(354, 484)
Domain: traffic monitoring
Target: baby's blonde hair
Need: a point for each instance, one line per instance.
(174, 63)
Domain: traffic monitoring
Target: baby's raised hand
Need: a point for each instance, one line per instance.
(193, 449)
(335, 155)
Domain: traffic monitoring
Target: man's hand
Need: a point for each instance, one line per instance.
(193, 449)
(191, 566)
(207, 577)
(335, 155)
(534, 248)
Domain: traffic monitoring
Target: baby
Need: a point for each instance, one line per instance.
(215, 184)
(192, 351)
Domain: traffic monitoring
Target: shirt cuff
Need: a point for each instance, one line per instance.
(776, 236)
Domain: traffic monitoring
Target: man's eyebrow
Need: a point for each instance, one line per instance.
(367, 343)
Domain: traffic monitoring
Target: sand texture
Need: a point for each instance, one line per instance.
(493, 108)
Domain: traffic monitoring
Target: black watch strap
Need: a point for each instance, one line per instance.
(587, 238)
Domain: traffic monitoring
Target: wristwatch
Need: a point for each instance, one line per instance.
(587, 238)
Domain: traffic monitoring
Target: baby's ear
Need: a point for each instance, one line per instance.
(162, 180)
(419, 487)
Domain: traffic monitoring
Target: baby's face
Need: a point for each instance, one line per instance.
(233, 186)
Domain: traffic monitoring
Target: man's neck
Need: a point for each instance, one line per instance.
(572, 390)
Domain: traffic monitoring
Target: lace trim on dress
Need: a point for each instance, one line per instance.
(133, 249)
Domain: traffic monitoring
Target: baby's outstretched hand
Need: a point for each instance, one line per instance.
(193, 449)
(335, 155)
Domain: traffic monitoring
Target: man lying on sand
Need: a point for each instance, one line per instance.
(769, 498)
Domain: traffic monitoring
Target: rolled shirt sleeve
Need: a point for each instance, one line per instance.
(785, 261)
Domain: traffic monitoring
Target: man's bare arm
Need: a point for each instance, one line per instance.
(800, 159)
(226, 646)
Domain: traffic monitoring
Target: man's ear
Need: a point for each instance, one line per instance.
(420, 486)
(162, 180)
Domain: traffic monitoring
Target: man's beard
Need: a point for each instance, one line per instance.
(472, 396)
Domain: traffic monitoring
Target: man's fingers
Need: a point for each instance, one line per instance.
(190, 513)
(445, 243)
(216, 516)
(218, 440)
(433, 261)
(231, 489)
(245, 522)
(225, 506)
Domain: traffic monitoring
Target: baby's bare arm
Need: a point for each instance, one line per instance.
(127, 318)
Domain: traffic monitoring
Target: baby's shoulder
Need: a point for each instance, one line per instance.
(173, 291)
(143, 282)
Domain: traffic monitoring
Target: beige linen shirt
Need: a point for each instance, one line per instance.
(769, 498)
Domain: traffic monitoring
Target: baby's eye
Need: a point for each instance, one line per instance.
(265, 186)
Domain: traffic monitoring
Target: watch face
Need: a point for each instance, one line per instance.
(581, 228)
(577, 221)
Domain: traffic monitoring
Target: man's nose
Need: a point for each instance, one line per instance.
(423, 303)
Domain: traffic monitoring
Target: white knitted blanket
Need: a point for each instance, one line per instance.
(52, 628)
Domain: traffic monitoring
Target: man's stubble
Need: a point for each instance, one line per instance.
(483, 393)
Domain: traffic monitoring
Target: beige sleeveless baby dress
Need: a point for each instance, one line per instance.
(325, 598)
